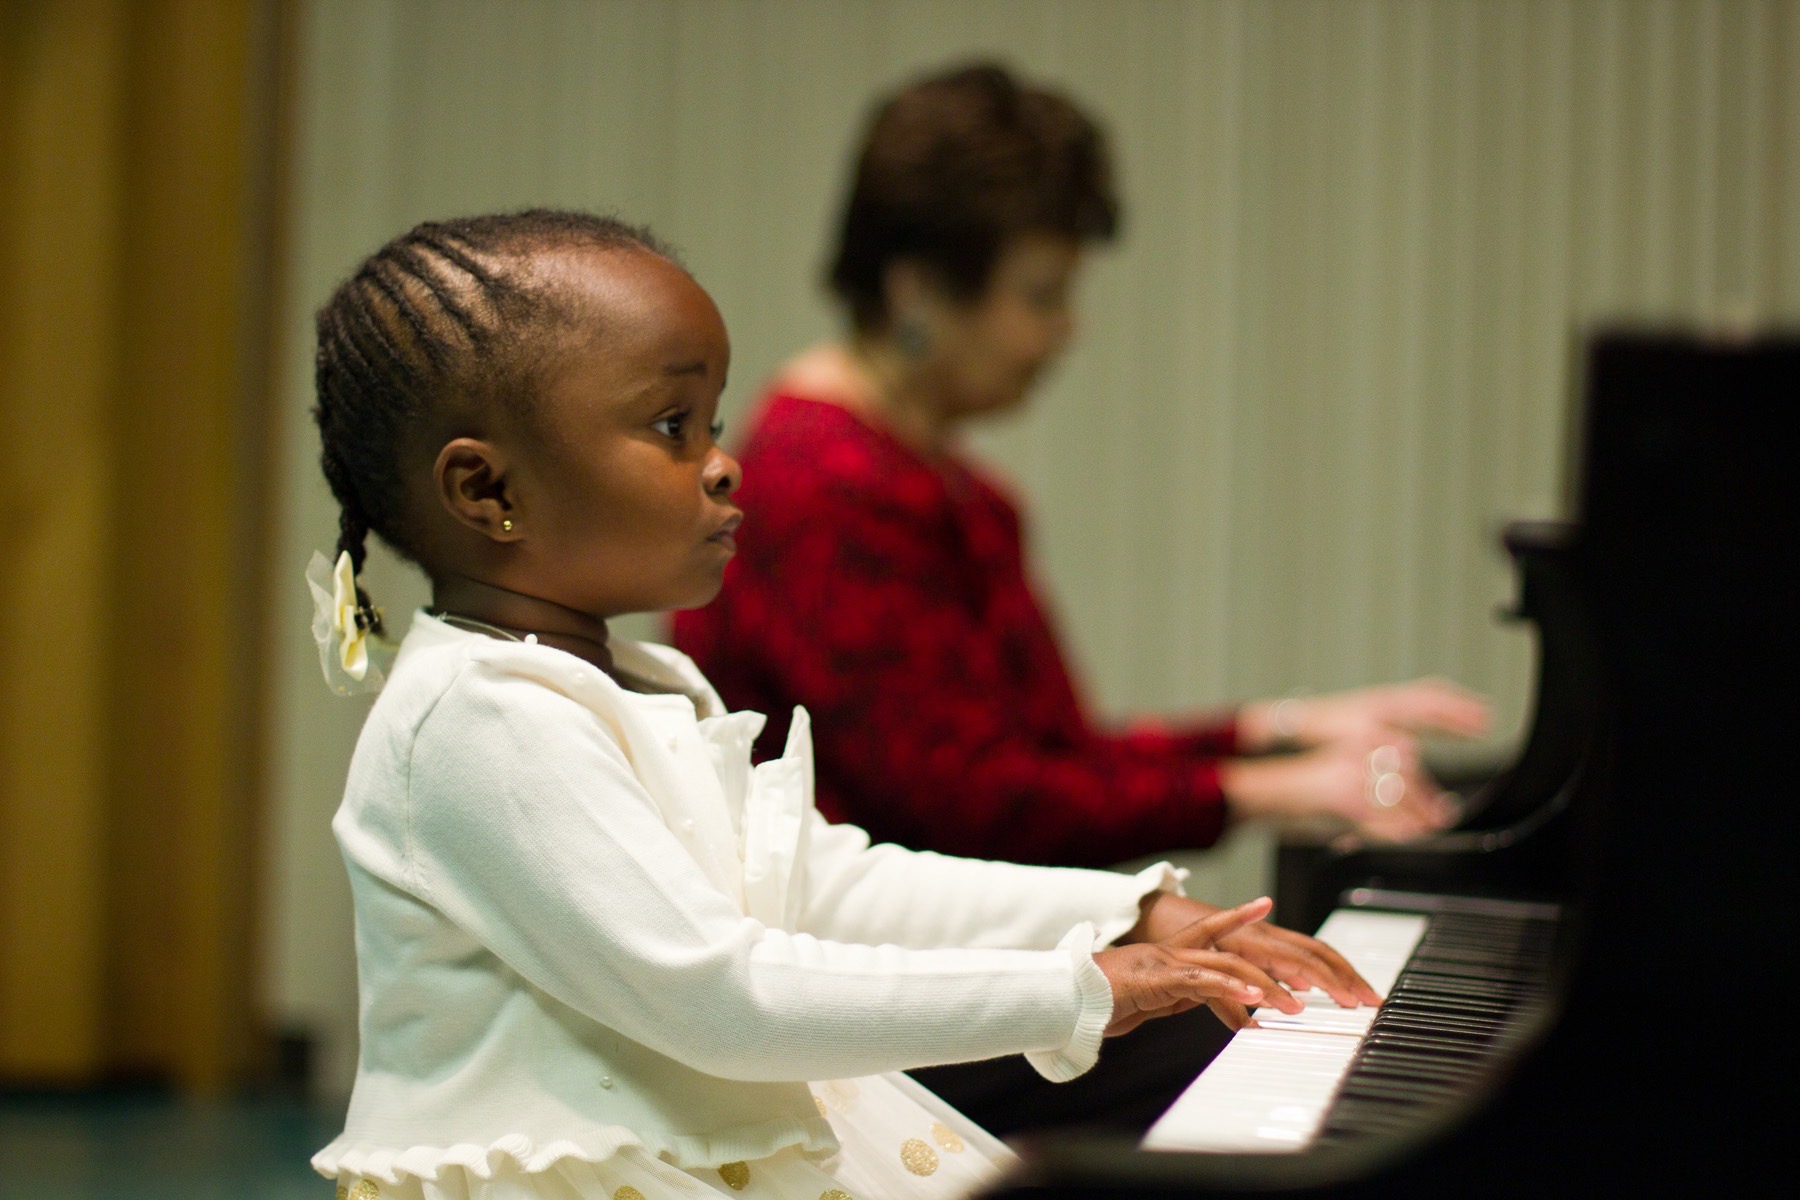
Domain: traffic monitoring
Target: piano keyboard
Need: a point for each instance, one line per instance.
(1458, 980)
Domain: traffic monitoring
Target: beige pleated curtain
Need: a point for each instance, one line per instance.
(1330, 357)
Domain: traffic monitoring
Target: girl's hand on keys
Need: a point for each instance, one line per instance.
(1302, 962)
(1162, 978)
(1298, 961)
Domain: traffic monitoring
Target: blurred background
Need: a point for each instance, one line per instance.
(1332, 353)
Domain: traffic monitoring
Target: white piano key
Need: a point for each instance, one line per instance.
(1269, 1089)
(1321, 1018)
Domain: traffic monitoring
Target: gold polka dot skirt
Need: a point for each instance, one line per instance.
(895, 1140)
(900, 1140)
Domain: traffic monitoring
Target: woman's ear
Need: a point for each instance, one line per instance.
(471, 478)
(917, 301)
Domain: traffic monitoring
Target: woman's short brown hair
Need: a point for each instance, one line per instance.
(955, 164)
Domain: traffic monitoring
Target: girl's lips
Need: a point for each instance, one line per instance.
(726, 535)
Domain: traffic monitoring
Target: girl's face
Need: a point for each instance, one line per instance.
(988, 352)
(630, 498)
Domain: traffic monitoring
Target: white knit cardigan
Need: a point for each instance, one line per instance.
(584, 921)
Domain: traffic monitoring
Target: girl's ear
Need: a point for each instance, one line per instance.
(471, 478)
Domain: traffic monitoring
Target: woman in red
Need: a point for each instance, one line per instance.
(879, 579)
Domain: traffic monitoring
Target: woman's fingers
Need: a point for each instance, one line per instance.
(1429, 704)
(1434, 703)
(1399, 799)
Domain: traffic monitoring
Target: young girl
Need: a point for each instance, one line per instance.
(600, 953)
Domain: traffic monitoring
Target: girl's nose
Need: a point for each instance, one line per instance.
(723, 474)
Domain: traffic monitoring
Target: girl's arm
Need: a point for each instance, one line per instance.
(526, 827)
(858, 892)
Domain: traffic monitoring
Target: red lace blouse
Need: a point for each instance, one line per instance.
(886, 592)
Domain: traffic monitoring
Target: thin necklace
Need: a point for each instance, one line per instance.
(473, 626)
(531, 639)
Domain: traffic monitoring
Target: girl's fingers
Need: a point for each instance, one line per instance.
(1303, 962)
(1121, 1024)
(1338, 982)
(1209, 929)
(1251, 984)
(1176, 1009)
(1234, 1015)
(1154, 979)
(1331, 972)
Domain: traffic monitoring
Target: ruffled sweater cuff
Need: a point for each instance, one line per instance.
(1094, 993)
(1095, 999)
(1157, 877)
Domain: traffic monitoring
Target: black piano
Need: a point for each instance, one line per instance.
(1594, 1007)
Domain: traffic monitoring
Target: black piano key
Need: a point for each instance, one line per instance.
(1401, 1093)
(1427, 1025)
(1452, 1013)
(1492, 991)
(1407, 1041)
(1421, 1068)
(1394, 1088)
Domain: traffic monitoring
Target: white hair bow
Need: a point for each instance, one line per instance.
(347, 649)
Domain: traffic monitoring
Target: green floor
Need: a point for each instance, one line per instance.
(147, 1146)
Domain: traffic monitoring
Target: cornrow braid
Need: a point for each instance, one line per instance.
(450, 312)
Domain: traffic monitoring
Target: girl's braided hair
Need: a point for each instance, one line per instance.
(449, 314)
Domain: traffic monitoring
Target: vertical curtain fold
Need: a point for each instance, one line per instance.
(134, 264)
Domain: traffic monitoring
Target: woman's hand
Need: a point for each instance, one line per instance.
(1377, 785)
(1358, 758)
(1367, 716)
(1174, 974)
(1298, 961)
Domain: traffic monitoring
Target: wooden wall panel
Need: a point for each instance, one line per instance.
(183, 574)
(133, 270)
(60, 199)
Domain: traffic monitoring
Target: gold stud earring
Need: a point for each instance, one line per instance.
(506, 524)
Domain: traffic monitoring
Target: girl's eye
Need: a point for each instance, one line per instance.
(718, 430)
(671, 426)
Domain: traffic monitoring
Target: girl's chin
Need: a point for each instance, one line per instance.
(703, 596)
